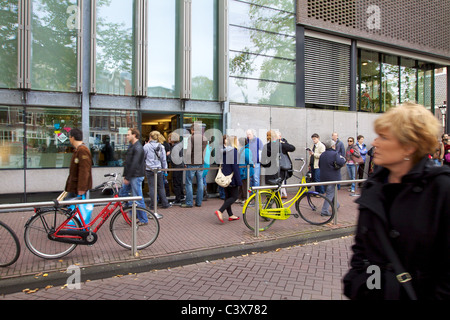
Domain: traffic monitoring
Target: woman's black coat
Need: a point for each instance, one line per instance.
(272, 151)
(416, 216)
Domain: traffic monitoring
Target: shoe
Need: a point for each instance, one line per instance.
(168, 206)
(325, 214)
(141, 224)
(233, 219)
(184, 205)
(219, 215)
(198, 205)
(283, 197)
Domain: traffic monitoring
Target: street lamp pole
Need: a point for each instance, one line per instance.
(445, 119)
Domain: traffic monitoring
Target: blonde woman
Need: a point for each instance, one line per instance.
(404, 209)
(155, 158)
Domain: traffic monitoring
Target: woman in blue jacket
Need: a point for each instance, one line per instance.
(230, 165)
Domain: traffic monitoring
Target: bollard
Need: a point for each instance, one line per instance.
(257, 214)
(335, 202)
(133, 232)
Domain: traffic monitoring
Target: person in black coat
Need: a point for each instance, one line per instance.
(230, 165)
(407, 202)
(271, 155)
(330, 164)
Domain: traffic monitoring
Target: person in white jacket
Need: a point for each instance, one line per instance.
(315, 152)
(155, 158)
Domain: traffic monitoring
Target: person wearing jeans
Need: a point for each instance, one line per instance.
(194, 159)
(134, 172)
(350, 154)
(189, 189)
(134, 187)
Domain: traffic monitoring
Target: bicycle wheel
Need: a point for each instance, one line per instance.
(249, 210)
(38, 230)
(10, 246)
(309, 206)
(120, 228)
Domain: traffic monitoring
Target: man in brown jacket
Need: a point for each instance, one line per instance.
(80, 173)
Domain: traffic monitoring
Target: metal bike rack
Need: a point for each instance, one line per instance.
(30, 206)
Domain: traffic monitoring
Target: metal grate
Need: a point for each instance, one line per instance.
(341, 12)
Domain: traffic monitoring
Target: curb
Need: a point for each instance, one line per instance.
(97, 272)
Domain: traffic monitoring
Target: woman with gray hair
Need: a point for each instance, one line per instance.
(330, 164)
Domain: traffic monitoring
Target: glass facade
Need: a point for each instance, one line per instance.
(163, 49)
(9, 27)
(204, 50)
(262, 52)
(385, 81)
(115, 47)
(53, 46)
(108, 130)
(42, 54)
(11, 137)
(44, 132)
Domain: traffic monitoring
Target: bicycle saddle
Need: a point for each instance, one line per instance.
(274, 182)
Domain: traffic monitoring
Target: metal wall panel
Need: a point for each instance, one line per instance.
(420, 25)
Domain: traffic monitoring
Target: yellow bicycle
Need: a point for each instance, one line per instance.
(308, 205)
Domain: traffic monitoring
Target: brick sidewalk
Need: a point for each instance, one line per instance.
(186, 236)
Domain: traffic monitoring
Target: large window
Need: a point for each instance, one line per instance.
(385, 81)
(108, 131)
(204, 50)
(262, 52)
(369, 81)
(11, 137)
(53, 46)
(408, 79)
(8, 43)
(115, 47)
(163, 25)
(390, 82)
(44, 131)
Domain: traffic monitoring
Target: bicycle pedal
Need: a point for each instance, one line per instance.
(296, 215)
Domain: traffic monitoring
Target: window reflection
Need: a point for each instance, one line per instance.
(369, 73)
(204, 50)
(390, 78)
(115, 47)
(108, 130)
(162, 49)
(11, 137)
(8, 43)
(47, 136)
(408, 80)
(262, 52)
(54, 46)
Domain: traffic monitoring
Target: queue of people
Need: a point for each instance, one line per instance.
(403, 226)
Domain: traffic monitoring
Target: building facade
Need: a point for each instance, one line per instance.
(299, 66)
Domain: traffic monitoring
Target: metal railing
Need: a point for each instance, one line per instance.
(310, 184)
(30, 206)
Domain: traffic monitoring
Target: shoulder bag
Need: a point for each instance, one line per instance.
(402, 276)
(223, 180)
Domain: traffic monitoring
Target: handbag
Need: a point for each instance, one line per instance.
(285, 163)
(223, 180)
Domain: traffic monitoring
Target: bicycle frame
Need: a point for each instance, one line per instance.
(85, 229)
(285, 211)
